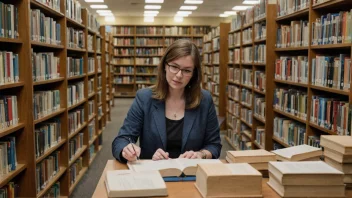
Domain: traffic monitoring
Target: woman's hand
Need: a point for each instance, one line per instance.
(160, 155)
(129, 154)
(191, 155)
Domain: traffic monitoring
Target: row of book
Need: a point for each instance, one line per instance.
(260, 53)
(9, 67)
(100, 111)
(75, 66)
(332, 28)
(148, 61)
(10, 190)
(91, 108)
(75, 145)
(248, 16)
(9, 21)
(90, 42)
(247, 55)
(124, 70)
(93, 23)
(236, 22)
(143, 79)
(75, 93)
(149, 51)
(247, 77)
(150, 30)
(234, 39)
(74, 10)
(246, 97)
(260, 9)
(44, 29)
(91, 65)
(169, 41)
(198, 41)
(234, 56)
(234, 92)
(286, 7)
(207, 58)
(260, 135)
(91, 152)
(124, 51)
(75, 170)
(91, 130)
(234, 107)
(47, 135)
(294, 35)
(289, 131)
(147, 70)
(247, 35)
(124, 79)
(8, 155)
(75, 38)
(234, 74)
(75, 120)
(260, 81)
(246, 115)
(45, 103)
(45, 66)
(124, 30)
(149, 41)
(98, 58)
(216, 43)
(260, 31)
(123, 41)
(215, 31)
(54, 191)
(177, 30)
(259, 107)
(292, 101)
(207, 47)
(292, 68)
(91, 86)
(46, 170)
(216, 58)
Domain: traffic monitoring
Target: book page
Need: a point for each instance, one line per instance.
(184, 163)
(317, 167)
(295, 150)
(147, 165)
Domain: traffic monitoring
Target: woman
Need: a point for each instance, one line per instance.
(175, 118)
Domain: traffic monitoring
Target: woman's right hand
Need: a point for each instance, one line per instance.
(160, 155)
(129, 154)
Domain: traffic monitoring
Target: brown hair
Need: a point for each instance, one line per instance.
(180, 48)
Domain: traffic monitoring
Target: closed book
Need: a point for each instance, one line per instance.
(251, 156)
(297, 153)
(341, 144)
(338, 157)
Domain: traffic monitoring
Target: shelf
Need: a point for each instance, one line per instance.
(257, 91)
(234, 47)
(71, 135)
(247, 44)
(139, 74)
(185, 35)
(46, 45)
(123, 83)
(100, 147)
(291, 49)
(290, 83)
(259, 64)
(100, 132)
(78, 178)
(290, 116)
(297, 14)
(124, 55)
(231, 113)
(230, 143)
(249, 125)
(91, 95)
(100, 117)
(248, 135)
(76, 77)
(10, 40)
(146, 65)
(126, 46)
(331, 4)
(259, 118)
(43, 82)
(149, 35)
(247, 64)
(92, 159)
(260, 19)
(198, 35)
(76, 105)
(332, 46)
(117, 74)
(246, 105)
(11, 129)
(46, 9)
(280, 142)
(52, 181)
(247, 26)
(122, 35)
(99, 104)
(233, 82)
(76, 24)
(152, 55)
(258, 145)
(322, 129)
(47, 117)
(92, 140)
(232, 98)
(149, 46)
(91, 118)
(328, 89)
(228, 125)
(4, 179)
(234, 31)
(99, 88)
(70, 49)
(91, 51)
(90, 31)
(11, 85)
(247, 86)
(77, 155)
(49, 151)
(260, 40)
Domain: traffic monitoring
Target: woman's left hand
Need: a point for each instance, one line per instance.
(191, 155)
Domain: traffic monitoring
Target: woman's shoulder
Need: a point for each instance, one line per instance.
(206, 97)
(144, 94)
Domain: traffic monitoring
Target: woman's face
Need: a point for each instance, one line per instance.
(179, 72)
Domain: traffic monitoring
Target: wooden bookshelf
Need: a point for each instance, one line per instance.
(25, 173)
(125, 89)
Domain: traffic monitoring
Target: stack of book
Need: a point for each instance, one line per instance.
(298, 153)
(258, 159)
(338, 154)
(306, 179)
(228, 180)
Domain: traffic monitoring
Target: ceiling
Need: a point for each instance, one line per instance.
(209, 8)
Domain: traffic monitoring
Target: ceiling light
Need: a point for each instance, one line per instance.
(106, 14)
(184, 12)
(250, 2)
(178, 19)
(109, 18)
(151, 12)
(239, 8)
(154, 1)
(98, 6)
(152, 7)
(188, 7)
(94, 1)
(149, 19)
(230, 12)
(223, 15)
(103, 11)
(193, 2)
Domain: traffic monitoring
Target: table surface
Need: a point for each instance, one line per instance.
(176, 189)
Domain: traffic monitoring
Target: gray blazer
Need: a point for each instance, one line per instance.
(146, 120)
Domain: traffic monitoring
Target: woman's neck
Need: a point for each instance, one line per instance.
(176, 94)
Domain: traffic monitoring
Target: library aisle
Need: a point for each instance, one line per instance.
(89, 181)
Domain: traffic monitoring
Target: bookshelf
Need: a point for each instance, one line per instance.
(71, 114)
(137, 51)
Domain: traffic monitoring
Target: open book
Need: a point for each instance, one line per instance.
(126, 183)
(171, 167)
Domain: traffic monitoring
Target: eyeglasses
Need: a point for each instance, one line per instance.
(175, 69)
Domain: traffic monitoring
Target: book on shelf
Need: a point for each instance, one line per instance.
(74, 10)
(124, 41)
(234, 74)
(260, 136)
(259, 80)
(90, 42)
(216, 44)
(75, 120)
(247, 77)
(54, 191)
(45, 66)
(234, 39)
(75, 170)
(228, 180)
(98, 66)
(149, 41)
(45, 103)
(91, 65)
(9, 67)
(198, 42)
(98, 45)
(10, 190)
(75, 38)
(47, 135)
(91, 108)
(44, 29)
(123, 79)
(9, 21)
(246, 115)
(247, 55)
(171, 167)
(150, 30)
(200, 30)
(75, 145)
(289, 132)
(75, 66)
(248, 15)
(215, 31)
(148, 61)
(177, 30)
(169, 40)
(291, 101)
(236, 22)
(216, 58)
(91, 130)
(8, 111)
(260, 53)
(100, 111)
(332, 71)
(286, 7)
(246, 97)
(128, 70)
(247, 35)
(126, 183)
(150, 51)
(294, 35)
(260, 31)
(298, 153)
(259, 106)
(122, 30)
(314, 140)
(8, 155)
(91, 152)
(292, 69)
(46, 170)
(92, 22)
(75, 93)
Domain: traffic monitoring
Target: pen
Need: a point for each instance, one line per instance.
(133, 148)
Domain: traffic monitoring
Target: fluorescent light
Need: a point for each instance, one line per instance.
(109, 18)
(178, 18)
(94, 1)
(151, 12)
(103, 11)
(98, 6)
(149, 19)
(252, 2)
(188, 7)
(184, 12)
(154, 1)
(230, 12)
(152, 7)
(193, 2)
(239, 8)
(223, 15)
(106, 14)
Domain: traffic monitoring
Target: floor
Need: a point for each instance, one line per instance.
(87, 185)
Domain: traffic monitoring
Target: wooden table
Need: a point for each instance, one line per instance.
(175, 189)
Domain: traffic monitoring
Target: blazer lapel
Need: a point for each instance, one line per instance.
(190, 116)
(160, 121)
